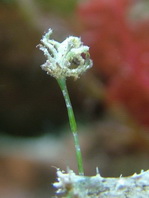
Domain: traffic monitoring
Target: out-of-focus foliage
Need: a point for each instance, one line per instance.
(7, 1)
(64, 7)
(120, 50)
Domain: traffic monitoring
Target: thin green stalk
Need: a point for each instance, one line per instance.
(72, 122)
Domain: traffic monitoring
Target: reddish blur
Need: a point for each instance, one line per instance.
(119, 47)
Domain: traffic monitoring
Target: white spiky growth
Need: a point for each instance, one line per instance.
(67, 59)
(71, 185)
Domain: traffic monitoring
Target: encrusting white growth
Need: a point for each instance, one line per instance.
(74, 186)
(67, 59)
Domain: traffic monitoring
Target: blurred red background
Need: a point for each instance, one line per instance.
(119, 46)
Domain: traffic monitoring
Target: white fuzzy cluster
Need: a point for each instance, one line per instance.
(135, 186)
(65, 180)
(68, 181)
(67, 59)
